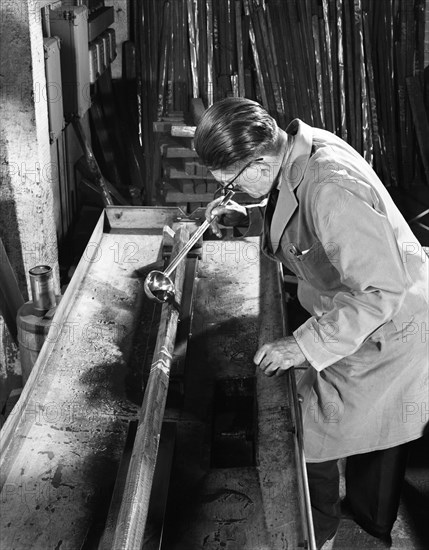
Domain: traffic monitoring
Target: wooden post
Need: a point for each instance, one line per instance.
(133, 512)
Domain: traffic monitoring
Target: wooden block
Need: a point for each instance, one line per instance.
(182, 131)
(212, 187)
(167, 125)
(172, 195)
(200, 187)
(161, 126)
(202, 170)
(187, 187)
(178, 152)
(176, 171)
(179, 119)
(172, 114)
(172, 147)
(195, 167)
(190, 167)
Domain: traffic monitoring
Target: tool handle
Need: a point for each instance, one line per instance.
(197, 235)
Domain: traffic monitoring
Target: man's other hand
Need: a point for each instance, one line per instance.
(277, 357)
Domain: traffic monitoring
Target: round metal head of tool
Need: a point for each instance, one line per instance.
(159, 287)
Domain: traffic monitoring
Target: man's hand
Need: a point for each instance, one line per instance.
(228, 216)
(277, 357)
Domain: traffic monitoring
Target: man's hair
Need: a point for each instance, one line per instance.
(233, 129)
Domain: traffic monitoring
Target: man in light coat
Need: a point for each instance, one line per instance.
(362, 277)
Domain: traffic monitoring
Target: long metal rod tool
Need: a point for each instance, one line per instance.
(158, 285)
(195, 237)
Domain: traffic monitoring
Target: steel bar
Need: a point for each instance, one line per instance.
(192, 29)
(341, 71)
(297, 415)
(239, 43)
(209, 51)
(356, 24)
(256, 57)
(379, 160)
(330, 114)
(130, 527)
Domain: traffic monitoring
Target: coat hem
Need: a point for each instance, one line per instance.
(363, 451)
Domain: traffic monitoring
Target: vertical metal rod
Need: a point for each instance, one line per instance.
(296, 407)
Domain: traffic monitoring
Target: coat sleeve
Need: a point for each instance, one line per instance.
(367, 257)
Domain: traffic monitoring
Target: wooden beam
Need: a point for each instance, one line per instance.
(183, 131)
(130, 528)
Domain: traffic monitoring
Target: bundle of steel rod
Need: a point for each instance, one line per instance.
(337, 64)
(343, 66)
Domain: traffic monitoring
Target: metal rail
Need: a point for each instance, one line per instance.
(297, 417)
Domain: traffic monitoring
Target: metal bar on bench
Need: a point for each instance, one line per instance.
(130, 526)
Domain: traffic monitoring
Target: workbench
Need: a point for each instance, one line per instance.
(233, 487)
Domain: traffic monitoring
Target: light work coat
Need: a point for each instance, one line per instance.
(363, 277)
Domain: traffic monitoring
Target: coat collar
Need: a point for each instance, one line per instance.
(291, 176)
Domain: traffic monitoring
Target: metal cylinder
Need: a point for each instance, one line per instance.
(42, 287)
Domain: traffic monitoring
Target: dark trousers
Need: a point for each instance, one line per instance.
(324, 485)
(373, 488)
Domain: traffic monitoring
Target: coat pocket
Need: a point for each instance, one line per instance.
(314, 264)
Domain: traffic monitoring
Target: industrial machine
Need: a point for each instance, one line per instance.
(146, 425)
